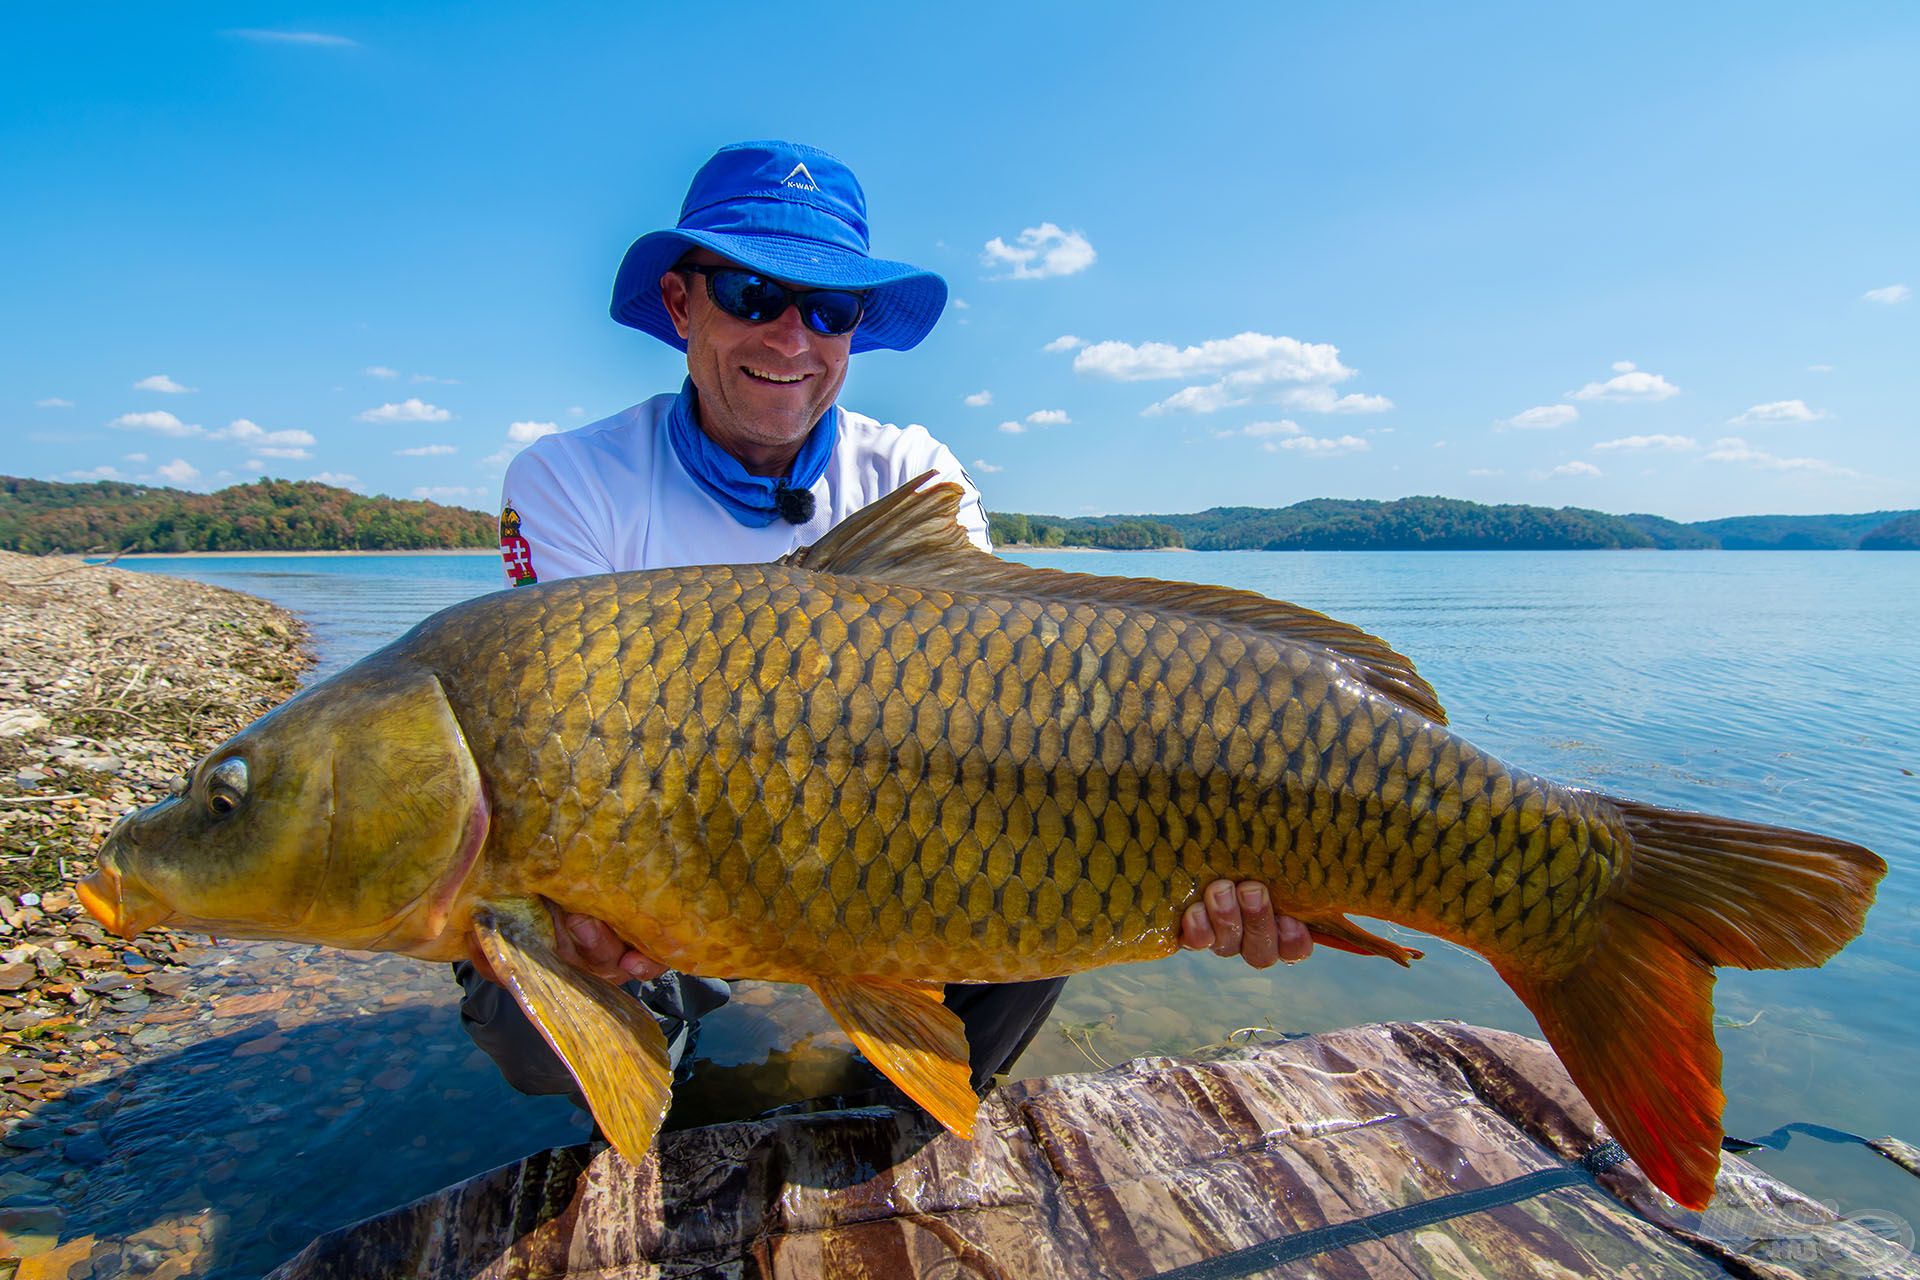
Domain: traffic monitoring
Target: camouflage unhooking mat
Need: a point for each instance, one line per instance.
(1403, 1150)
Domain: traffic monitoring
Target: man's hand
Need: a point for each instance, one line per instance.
(589, 944)
(1239, 920)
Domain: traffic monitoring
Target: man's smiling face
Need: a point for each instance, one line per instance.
(762, 386)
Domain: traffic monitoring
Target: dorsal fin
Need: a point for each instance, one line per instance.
(913, 536)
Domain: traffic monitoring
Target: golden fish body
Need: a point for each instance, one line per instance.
(891, 761)
(766, 770)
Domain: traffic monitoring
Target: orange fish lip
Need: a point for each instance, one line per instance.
(120, 907)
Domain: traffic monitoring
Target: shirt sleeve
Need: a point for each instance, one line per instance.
(546, 532)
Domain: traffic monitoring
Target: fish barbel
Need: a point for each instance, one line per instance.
(891, 761)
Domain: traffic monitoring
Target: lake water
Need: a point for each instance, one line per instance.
(1779, 687)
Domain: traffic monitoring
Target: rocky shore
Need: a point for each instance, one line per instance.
(112, 683)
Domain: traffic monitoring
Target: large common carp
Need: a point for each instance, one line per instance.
(890, 761)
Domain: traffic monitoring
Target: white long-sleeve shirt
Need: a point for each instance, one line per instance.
(612, 496)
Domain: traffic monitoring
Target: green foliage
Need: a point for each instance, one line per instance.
(1671, 535)
(1797, 533)
(1435, 524)
(1110, 533)
(1902, 534)
(39, 516)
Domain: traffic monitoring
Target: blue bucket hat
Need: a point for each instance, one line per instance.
(788, 211)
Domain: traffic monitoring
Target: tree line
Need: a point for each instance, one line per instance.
(38, 516)
(1448, 524)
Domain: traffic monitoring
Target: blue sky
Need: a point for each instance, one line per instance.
(1631, 257)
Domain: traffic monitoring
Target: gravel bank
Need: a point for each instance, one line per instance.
(112, 684)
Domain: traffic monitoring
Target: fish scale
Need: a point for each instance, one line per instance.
(943, 785)
(891, 761)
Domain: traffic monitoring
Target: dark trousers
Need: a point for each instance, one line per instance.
(1001, 1018)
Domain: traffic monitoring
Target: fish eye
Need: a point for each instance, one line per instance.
(226, 786)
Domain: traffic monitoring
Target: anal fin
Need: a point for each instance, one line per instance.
(905, 1031)
(608, 1040)
(1342, 934)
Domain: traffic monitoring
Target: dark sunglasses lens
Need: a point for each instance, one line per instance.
(832, 312)
(748, 296)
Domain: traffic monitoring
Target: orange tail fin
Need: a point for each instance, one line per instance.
(1633, 1022)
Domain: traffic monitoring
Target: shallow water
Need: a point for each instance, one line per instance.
(1773, 686)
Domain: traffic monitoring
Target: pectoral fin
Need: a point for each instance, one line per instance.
(1343, 934)
(608, 1040)
(906, 1032)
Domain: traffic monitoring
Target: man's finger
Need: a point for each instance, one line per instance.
(1296, 944)
(1196, 931)
(596, 948)
(1223, 913)
(1260, 933)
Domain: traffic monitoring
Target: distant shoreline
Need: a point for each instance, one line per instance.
(256, 555)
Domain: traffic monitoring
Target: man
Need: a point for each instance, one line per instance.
(767, 285)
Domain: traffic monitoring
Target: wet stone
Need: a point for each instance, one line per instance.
(87, 1149)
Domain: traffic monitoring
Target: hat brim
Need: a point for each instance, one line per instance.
(903, 301)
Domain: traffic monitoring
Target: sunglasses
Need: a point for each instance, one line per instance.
(750, 296)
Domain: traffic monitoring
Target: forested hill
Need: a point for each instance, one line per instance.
(273, 515)
(1448, 524)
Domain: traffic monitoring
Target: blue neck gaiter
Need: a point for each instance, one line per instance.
(755, 501)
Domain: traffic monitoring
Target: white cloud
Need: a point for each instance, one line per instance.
(1320, 446)
(411, 409)
(95, 473)
(979, 399)
(1485, 471)
(426, 451)
(427, 377)
(159, 421)
(1065, 342)
(338, 479)
(290, 443)
(1575, 469)
(137, 458)
(1049, 418)
(1734, 449)
(984, 467)
(499, 458)
(1819, 368)
(1013, 428)
(1628, 383)
(179, 471)
(1778, 411)
(1889, 295)
(1542, 417)
(961, 304)
(381, 371)
(294, 37)
(1039, 252)
(1283, 427)
(447, 493)
(161, 382)
(528, 432)
(1244, 366)
(1289, 359)
(1637, 443)
(53, 402)
(576, 411)
(1322, 400)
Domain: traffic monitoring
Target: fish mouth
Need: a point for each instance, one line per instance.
(120, 906)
